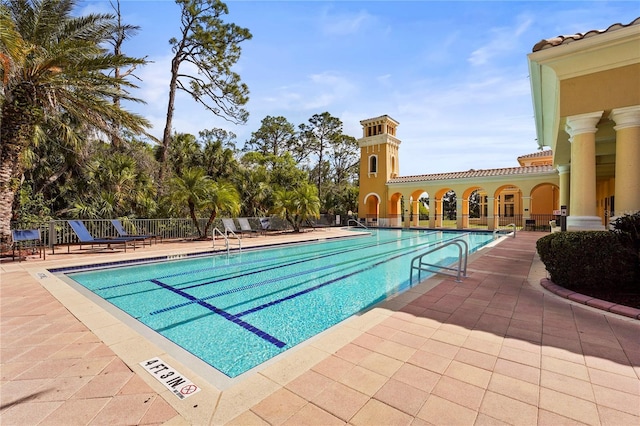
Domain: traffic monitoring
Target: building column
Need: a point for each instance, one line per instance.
(526, 208)
(465, 214)
(582, 204)
(459, 212)
(432, 212)
(439, 209)
(491, 209)
(564, 173)
(416, 213)
(627, 183)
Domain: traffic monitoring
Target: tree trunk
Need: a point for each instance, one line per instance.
(212, 217)
(192, 213)
(166, 137)
(15, 134)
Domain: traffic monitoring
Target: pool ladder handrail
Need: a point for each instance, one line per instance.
(358, 224)
(497, 230)
(462, 255)
(226, 239)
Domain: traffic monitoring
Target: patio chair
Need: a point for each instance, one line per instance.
(26, 238)
(245, 226)
(265, 224)
(85, 238)
(124, 234)
(230, 227)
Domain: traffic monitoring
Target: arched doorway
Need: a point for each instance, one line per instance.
(372, 209)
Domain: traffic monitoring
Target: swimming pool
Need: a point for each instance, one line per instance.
(237, 311)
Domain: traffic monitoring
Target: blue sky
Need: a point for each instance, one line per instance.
(453, 73)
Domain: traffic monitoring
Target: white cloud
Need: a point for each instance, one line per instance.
(503, 40)
(342, 24)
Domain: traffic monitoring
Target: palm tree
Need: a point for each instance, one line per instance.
(192, 189)
(222, 197)
(54, 67)
(297, 205)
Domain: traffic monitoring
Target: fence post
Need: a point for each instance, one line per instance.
(52, 233)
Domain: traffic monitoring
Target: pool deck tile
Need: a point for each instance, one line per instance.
(505, 346)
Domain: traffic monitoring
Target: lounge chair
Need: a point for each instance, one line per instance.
(23, 238)
(265, 224)
(85, 237)
(230, 227)
(245, 226)
(124, 234)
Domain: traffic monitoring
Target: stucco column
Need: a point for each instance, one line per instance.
(491, 209)
(627, 183)
(564, 174)
(416, 213)
(439, 212)
(432, 212)
(465, 213)
(582, 131)
(526, 208)
(459, 213)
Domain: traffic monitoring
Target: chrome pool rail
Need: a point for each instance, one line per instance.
(357, 223)
(497, 230)
(422, 266)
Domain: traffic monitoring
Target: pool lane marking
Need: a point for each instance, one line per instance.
(296, 262)
(300, 293)
(229, 317)
(324, 284)
(286, 277)
(316, 254)
(277, 279)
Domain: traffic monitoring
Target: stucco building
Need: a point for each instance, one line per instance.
(586, 96)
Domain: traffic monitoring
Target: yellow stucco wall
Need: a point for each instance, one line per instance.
(602, 90)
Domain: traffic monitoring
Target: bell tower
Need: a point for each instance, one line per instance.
(378, 163)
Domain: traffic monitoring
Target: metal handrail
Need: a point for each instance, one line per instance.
(461, 254)
(358, 224)
(495, 231)
(226, 239)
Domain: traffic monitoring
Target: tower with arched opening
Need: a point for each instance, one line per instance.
(378, 164)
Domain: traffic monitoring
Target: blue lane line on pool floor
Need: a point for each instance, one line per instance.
(326, 283)
(229, 317)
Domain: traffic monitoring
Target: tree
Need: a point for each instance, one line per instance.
(120, 33)
(298, 205)
(213, 47)
(317, 137)
(218, 153)
(222, 197)
(275, 136)
(191, 189)
(59, 73)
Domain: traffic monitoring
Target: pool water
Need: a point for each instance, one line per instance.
(237, 311)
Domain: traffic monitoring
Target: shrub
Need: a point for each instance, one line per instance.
(589, 260)
(627, 227)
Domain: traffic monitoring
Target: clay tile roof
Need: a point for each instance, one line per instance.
(511, 171)
(557, 41)
(547, 153)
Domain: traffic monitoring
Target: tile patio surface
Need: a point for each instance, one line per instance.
(495, 349)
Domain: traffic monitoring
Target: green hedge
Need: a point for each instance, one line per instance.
(589, 259)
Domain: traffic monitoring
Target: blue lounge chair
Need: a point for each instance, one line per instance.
(24, 238)
(85, 238)
(122, 233)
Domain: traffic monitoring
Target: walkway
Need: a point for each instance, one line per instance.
(495, 349)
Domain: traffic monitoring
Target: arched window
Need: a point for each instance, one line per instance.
(373, 164)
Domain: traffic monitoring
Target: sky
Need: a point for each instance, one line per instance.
(454, 74)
